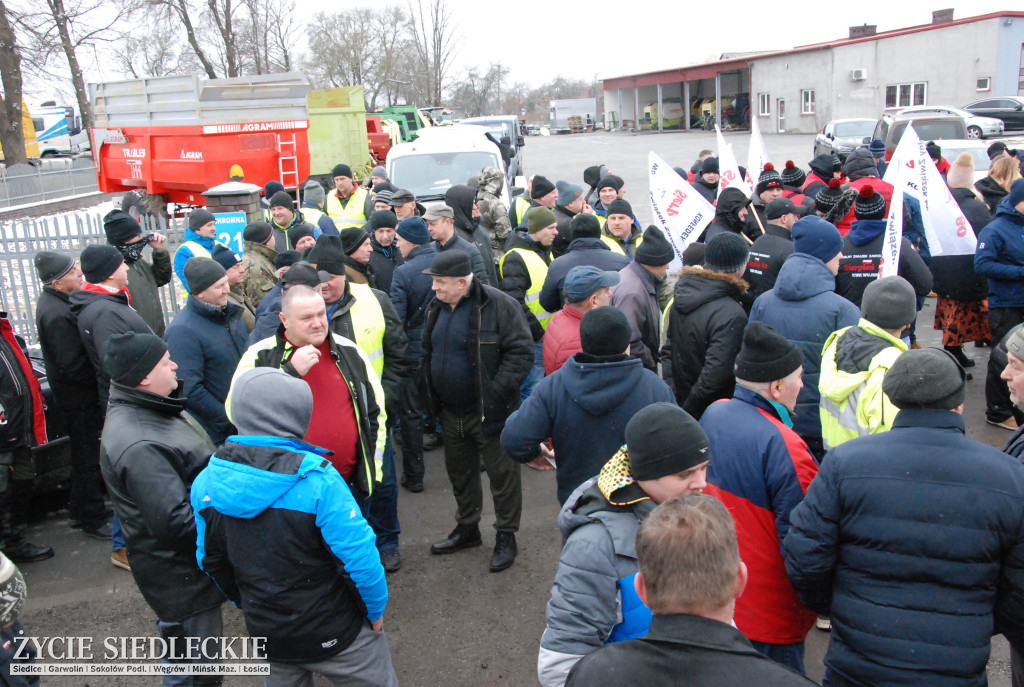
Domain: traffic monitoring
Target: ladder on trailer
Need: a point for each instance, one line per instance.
(288, 161)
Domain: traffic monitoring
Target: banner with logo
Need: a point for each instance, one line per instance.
(680, 211)
(730, 171)
(889, 265)
(945, 226)
(757, 156)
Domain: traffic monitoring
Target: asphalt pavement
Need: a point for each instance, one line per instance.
(449, 620)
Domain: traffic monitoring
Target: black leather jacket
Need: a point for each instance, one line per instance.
(150, 452)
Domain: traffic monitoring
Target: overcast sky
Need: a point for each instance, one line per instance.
(601, 38)
(606, 38)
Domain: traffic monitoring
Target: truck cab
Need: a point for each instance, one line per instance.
(441, 158)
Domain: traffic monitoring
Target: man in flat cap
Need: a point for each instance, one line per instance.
(912, 540)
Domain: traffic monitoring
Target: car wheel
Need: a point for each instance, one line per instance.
(974, 132)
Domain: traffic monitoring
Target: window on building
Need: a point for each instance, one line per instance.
(764, 104)
(905, 95)
(985, 84)
(806, 102)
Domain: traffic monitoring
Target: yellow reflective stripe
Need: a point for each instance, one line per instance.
(349, 215)
(538, 270)
(840, 424)
(368, 324)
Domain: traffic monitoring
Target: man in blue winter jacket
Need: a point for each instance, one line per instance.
(584, 406)
(282, 536)
(1000, 258)
(913, 540)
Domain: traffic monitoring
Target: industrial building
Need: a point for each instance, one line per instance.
(947, 62)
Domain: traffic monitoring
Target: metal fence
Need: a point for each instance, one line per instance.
(21, 240)
(53, 179)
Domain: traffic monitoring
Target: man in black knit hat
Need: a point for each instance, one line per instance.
(72, 380)
(621, 232)
(593, 602)
(637, 295)
(144, 278)
(706, 324)
(150, 453)
(543, 193)
(762, 471)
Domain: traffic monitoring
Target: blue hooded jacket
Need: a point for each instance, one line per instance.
(584, 408)
(184, 252)
(804, 308)
(280, 533)
(1000, 253)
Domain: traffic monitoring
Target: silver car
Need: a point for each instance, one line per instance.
(977, 126)
(842, 136)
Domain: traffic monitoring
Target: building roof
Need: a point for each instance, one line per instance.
(707, 70)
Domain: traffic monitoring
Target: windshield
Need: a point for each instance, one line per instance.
(855, 129)
(980, 155)
(432, 173)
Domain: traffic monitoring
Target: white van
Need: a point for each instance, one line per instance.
(441, 158)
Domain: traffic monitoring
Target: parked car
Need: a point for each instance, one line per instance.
(977, 126)
(978, 150)
(442, 157)
(890, 128)
(842, 136)
(1010, 109)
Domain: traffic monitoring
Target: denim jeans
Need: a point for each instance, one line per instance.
(536, 372)
(789, 655)
(117, 535)
(381, 509)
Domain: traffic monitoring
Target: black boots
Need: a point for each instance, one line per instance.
(958, 353)
(505, 551)
(462, 537)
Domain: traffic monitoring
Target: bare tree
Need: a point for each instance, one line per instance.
(12, 134)
(433, 39)
(270, 35)
(392, 43)
(223, 14)
(183, 11)
(477, 91)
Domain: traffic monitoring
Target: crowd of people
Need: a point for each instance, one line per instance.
(743, 448)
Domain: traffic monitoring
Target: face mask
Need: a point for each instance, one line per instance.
(132, 252)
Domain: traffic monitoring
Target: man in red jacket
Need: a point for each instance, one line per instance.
(585, 288)
(761, 472)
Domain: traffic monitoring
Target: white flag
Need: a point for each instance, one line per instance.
(889, 264)
(679, 209)
(730, 171)
(945, 226)
(757, 156)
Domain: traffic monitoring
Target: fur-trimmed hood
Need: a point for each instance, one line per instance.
(697, 287)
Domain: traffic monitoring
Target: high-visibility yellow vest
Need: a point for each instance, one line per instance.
(521, 206)
(312, 215)
(616, 245)
(351, 215)
(538, 270)
(368, 324)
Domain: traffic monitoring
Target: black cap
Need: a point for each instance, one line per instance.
(451, 263)
(99, 262)
(401, 197)
(925, 378)
(709, 166)
(726, 252)
(380, 219)
(662, 440)
(130, 357)
(300, 231)
(610, 181)
(281, 199)
(655, 250)
(328, 254)
(541, 187)
(120, 227)
(341, 170)
(779, 207)
(52, 266)
(766, 355)
(286, 258)
(225, 256)
(352, 238)
(604, 331)
(584, 226)
(257, 232)
(304, 273)
(619, 206)
(202, 273)
(199, 218)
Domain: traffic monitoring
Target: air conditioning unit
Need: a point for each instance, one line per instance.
(858, 74)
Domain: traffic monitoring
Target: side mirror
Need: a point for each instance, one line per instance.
(520, 141)
(517, 191)
(830, 136)
(866, 140)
